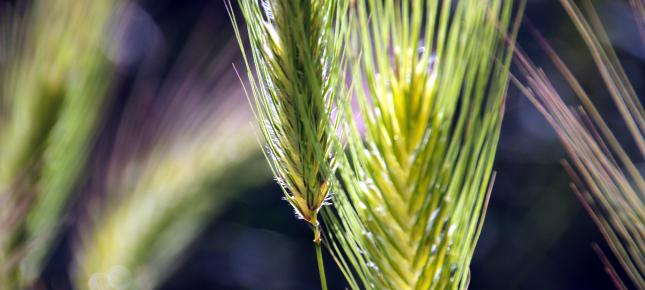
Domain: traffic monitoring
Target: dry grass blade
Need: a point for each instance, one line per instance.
(604, 175)
(430, 77)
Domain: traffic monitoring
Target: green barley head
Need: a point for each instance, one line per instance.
(429, 80)
(296, 48)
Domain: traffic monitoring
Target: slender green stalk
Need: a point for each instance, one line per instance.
(321, 266)
(430, 79)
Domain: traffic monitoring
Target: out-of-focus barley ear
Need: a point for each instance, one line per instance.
(161, 190)
(604, 175)
(430, 79)
(54, 82)
(296, 70)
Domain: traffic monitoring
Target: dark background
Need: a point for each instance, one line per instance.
(536, 234)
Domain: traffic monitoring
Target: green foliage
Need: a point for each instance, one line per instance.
(429, 81)
(54, 80)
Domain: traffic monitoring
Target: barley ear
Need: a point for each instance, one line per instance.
(604, 174)
(296, 72)
(430, 79)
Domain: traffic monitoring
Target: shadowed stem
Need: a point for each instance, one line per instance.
(321, 266)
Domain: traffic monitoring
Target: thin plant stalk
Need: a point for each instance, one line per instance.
(321, 266)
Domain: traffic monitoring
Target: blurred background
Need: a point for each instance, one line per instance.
(536, 236)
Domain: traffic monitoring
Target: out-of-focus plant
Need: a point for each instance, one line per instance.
(638, 6)
(297, 54)
(169, 177)
(604, 175)
(430, 79)
(54, 81)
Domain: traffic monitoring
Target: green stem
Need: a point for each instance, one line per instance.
(321, 266)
